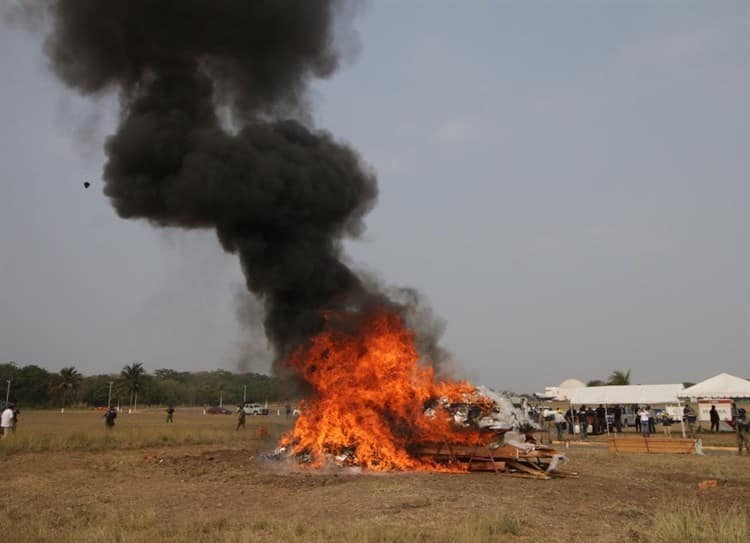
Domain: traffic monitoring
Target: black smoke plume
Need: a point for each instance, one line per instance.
(207, 138)
(279, 194)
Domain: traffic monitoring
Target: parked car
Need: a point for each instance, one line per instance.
(254, 409)
(218, 410)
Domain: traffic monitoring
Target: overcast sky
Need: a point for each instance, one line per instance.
(567, 183)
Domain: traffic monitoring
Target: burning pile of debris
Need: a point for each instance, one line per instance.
(509, 453)
(378, 407)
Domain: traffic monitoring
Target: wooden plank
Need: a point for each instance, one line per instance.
(651, 445)
(509, 451)
(486, 466)
(443, 450)
(677, 449)
(520, 466)
(564, 475)
(482, 457)
(506, 451)
(523, 475)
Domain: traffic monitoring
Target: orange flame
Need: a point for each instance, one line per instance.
(370, 397)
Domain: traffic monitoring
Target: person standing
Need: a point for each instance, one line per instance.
(739, 421)
(570, 417)
(559, 424)
(601, 419)
(16, 412)
(109, 418)
(170, 414)
(582, 421)
(6, 420)
(240, 418)
(651, 420)
(618, 418)
(637, 420)
(287, 410)
(688, 416)
(644, 415)
(666, 424)
(714, 416)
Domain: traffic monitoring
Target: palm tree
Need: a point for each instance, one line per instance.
(133, 375)
(619, 377)
(71, 380)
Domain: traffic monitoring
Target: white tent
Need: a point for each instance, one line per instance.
(628, 394)
(719, 386)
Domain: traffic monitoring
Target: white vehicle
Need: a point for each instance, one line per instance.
(254, 409)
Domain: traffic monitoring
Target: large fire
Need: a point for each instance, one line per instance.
(373, 399)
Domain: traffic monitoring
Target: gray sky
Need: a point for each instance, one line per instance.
(567, 183)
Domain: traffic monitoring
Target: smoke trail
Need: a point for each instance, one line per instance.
(252, 352)
(279, 195)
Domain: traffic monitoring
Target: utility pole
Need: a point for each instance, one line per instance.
(7, 394)
(109, 398)
(244, 393)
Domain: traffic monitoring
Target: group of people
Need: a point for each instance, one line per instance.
(588, 420)
(9, 419)
(646, 420)
(111, 414)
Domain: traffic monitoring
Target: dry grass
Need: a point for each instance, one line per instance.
(692, 522)
(50, 431)
(81, 526)
(69, 480)
(699, 522)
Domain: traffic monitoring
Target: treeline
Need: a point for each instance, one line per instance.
(34, 386)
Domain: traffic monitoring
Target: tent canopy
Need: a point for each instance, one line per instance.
(628, 394)
(719, 386)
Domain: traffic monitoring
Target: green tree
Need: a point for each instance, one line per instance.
(133, 376)
(95, 389)
(70, 381)
(163, 374)
(596, 383)
(30, 386)
(620, 377)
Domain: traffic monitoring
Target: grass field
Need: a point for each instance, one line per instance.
(198, 480)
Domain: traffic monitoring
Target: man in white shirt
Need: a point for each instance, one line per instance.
(6, 420)
(644, 414)
(559, 424)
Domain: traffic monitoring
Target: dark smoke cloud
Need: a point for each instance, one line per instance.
(278, 194)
